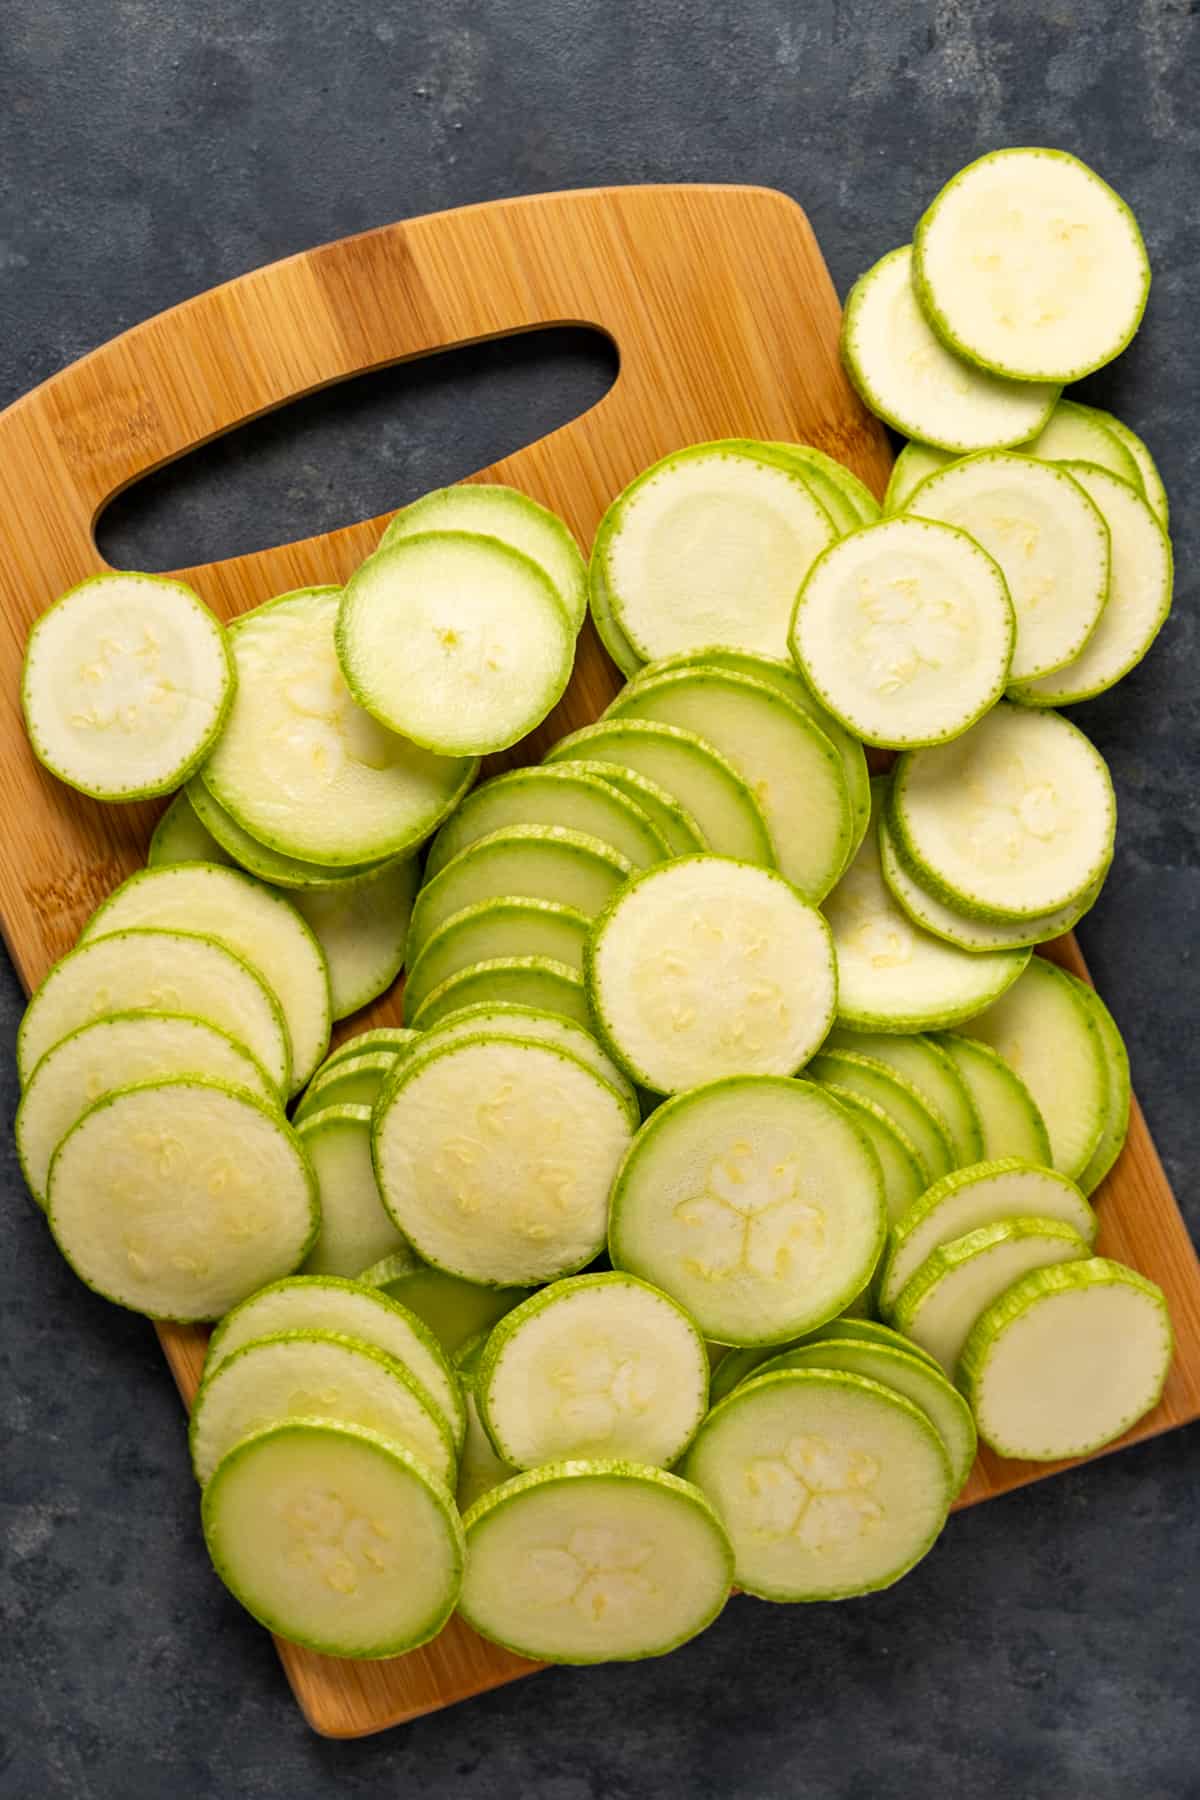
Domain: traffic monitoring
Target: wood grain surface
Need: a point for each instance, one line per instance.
(726, 324)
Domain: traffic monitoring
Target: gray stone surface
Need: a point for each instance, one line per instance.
(149, 148)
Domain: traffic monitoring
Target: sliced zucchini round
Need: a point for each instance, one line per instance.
(829, 1484)
(395, 1038)
(1078, 433)
(355, 1230)
(755, 1202)
(496, 928)
(179, 836)
(915, 462)
(833, 497)
(126, 683)
(455, 1311)
(904, 630)
(790, 766)
(597, 1365)
(1008, 1114)
(458, 642)
(825, 472)
(362, 928)
(1152, 482)
(927, 1068)
(505, 513)
(708, 546)
(495, 1156)
(651, 960)
(506, 1019)
(350, 1081)
(1030, 265)
(1046, 1030)
(479, 1468)
(238, 847)
(1014, 820)
(904, 1174)
(892, 976)
(179, 1198)
(1067, 1359)
(305, 769)
(902, 1102)
(729, 817)
(943, 1297)
(910, 379)
(327, 1303)
(867, 1331)
(608, 631)
(589, 1562)
(1115, 1128)
(536, 981)
(335, 1538)
(560, 794)
(1139, 596)
(671, 819)
(986, 1193)
(113, 1052)
(253, 921)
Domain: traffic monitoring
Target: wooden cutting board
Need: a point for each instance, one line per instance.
(726, 324)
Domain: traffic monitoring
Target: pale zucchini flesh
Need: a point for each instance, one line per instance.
(454, 1310)
(557, 795)
(598, 1365)
(355, 1230)
(362, 929)
(1116, 1113)
(496, 928)
(394, 1038)
(915, 462)
(929, 1070)
(536, 981)
(351, 1081)
(829, 1484)
(1008, 1114)
(897, 1096)
(1078, 433)
(904, 1174)
(179, 836)
(671, 819)
(179, 1198)
(237, 846)
(335, 1538)
(588, 1562)
(755, 1202)
(608, 630)
(706, 967)
(1147, 468)
(506, 1019)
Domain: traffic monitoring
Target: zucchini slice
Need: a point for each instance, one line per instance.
(608, 631)
(496, 928)
(905, 1177)
(1152, 482)
(755, 1202)
(355, 1230)
(1008, 1114)
(507, 1019)
(927, 1068)
(179, 836)
(350, 1081)
(455, 1311)
(829, 1484)
(126, 684)
(588, 1562)
(1030, 265)
(362, 928)
(913, 465)
(560, 794)
(1078, 433)
(676, 826)
(236, 846)
(705, 967)
(536, 981)
(1115, 1128)
(903, 1103)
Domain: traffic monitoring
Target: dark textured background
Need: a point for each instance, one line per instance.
(149, 148)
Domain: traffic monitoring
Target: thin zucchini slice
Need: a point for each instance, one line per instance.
(536, 981)
(910, 379)
(479, 1468)
(238, 847)
(904, 1174)
(351, 1081)
(1067, 1360)
(355, 1230)
(1014, 820)
(114, 1052)
(588, 1562)
(301, 766)
(1139, 596)
(608, 631)
(985, 1194)
(126, 684)
(335, 1538)
(179, 1198)
(316, 1375)
(674, 823)
(1046, 1030)
(790, 766)
(329, 1304)
(159, 972)
(523, 862)
(1152, 482)
(913, 465)
(454, 1310)
(832, 496)
(505, 513)
(655, 951)
(968, 933)
(1078, 433)
(362, 928)
(505, 1019)
(495, 1156)
(905, 1374)
(729, 817)
(943, 1297)
(395, 1038)
(253, 921)
(897, 1096)
(1115, 1128)
(496, 928)
(1008, 1114)
(708, 546)
(927, 1068)
(179, 836)
(755, 1202)
(892, 976)
(1030, 265)
(862, 500)
(868, 1331)
(829, 1484)
(598, 1365)
(558, 795)
(460, 643)
(904, 631)
(1047, 535)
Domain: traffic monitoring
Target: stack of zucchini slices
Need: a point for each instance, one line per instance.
(728, 1178)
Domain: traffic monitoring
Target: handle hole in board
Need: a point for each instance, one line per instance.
(357, 448)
